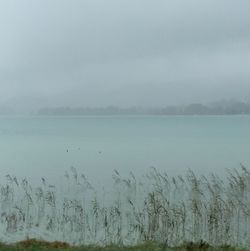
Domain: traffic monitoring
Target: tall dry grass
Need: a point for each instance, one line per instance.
(167, 210)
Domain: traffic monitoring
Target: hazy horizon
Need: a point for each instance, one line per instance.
(170, 170)
(123, 53)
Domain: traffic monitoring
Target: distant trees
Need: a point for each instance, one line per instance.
(110, 110)
(196, 109)
(220, 108)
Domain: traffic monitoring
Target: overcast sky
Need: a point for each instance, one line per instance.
(124, 52)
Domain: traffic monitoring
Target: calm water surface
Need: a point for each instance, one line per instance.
(47, 146)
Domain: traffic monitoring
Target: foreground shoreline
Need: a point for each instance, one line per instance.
(35, 244)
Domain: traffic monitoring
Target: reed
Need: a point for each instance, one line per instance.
(158, 208)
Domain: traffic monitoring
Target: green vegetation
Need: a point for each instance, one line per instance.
(36, 245)
(155, 209)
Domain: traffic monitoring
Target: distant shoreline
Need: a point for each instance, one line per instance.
(236, 108)
(131, 115)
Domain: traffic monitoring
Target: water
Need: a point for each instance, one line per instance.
(47, 146)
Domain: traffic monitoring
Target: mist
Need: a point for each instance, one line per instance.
(125, 123)
(123, 53)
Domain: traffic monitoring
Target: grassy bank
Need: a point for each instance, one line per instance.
(37, 245)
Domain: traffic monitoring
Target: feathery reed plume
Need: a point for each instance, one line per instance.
(167, 210)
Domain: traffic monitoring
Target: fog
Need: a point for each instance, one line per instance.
(124, 53)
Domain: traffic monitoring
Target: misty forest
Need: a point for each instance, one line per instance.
(124, 125)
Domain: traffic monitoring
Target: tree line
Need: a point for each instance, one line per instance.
(219, 108)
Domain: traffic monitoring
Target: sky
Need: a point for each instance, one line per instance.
(123, 52)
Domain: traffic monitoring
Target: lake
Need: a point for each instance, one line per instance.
(32, 146)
